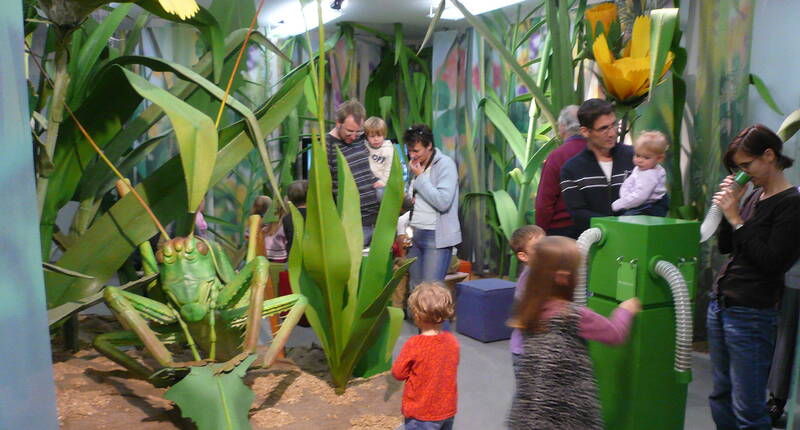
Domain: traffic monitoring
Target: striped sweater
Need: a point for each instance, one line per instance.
(357, 157)
(587, 193)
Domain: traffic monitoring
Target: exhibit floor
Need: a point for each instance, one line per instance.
(486, 382)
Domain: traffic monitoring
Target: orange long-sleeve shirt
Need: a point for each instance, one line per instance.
(429, 365)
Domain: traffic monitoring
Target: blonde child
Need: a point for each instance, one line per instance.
(381, 151)
(428, 362)
(555, 383)
(522, 241)
(644, 191)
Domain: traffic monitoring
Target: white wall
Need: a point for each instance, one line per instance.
(775, 58)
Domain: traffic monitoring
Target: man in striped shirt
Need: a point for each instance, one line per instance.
(348, 137)
(590, 181)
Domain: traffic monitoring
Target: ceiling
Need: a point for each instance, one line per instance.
(381, 14)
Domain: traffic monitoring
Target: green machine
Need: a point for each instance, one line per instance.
(643, 383)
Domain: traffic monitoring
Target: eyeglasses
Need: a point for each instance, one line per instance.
(604, 129)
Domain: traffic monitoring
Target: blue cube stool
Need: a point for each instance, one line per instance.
(483, 307)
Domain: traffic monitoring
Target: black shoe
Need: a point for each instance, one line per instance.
(775, 409)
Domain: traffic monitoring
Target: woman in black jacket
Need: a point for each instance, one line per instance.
(762, 239)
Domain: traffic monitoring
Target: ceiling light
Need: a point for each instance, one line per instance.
(475, 7)
(293, 19)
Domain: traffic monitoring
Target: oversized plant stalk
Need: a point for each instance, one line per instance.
(55, 114)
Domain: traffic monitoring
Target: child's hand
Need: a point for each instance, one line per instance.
(378, 184)
(632, 305)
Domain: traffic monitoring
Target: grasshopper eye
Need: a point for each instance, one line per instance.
(160, 257)
(202, 248)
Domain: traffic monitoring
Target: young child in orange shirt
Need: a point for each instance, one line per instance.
(428, 362)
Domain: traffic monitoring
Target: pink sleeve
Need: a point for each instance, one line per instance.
(612, 331)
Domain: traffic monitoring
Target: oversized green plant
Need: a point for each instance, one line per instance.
(113, 233)
(348, 294)
(73, 171)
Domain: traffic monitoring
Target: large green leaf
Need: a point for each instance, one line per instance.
(664, 22)
(188, 74)
(213, 398)
(196, 135)
(233, 14)
(367, 327)
(500, 119)
(122, 141)
(134, 36)
(789, 126)
(58, 313)
(506, 212)
(103, 117)
(562, 73)
(323, 242)
(349, 207)
(90, 53)
(302, 283)
(763, 91)
(377, 265)
(432, 25)
(113, 236)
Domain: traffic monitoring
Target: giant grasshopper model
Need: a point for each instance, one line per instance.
(205, 304)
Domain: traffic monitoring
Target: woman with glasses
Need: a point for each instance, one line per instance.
(762, 237)
(433, 219)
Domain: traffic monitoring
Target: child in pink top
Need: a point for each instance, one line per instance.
(555, 381)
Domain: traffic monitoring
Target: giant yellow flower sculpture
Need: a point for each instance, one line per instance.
(183, 8)
(628, 77)
(605, 13)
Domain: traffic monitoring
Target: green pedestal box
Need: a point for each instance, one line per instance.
(638, 385)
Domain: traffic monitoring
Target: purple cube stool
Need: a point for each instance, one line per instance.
(483, 307)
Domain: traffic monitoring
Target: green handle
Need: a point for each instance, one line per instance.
(741, 178)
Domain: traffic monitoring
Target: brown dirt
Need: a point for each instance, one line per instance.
(96, 393)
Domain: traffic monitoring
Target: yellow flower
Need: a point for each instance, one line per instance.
(603, 12)
(628, 77)
(183, 8)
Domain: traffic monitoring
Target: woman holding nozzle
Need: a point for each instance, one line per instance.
(761, 237)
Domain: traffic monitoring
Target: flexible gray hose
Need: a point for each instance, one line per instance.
(585, 242)
(710, 223)
(683, 314)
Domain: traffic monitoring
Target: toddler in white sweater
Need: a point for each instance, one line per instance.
(381, 151)
(644, 192)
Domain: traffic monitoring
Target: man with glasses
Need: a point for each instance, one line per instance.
(590, 181)
(348, 136)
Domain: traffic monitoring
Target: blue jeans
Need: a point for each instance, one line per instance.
(656, 208)
(415, 424)
(431, 264)
(741, 341)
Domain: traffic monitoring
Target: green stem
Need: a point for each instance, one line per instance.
(54, 117)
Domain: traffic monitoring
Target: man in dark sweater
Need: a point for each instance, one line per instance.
(349, 138)
(590, 180)
(551, 211)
